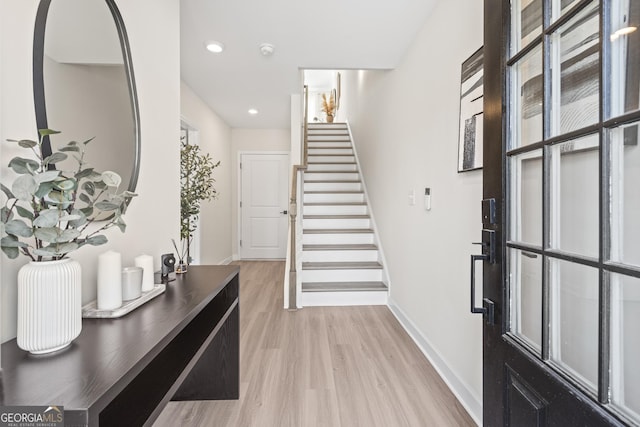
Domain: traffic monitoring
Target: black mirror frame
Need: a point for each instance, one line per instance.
(38, 80)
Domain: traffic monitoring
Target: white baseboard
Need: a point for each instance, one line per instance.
(235, 257)
(226, 261)
(471, 403)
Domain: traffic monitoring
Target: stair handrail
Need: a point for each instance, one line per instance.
(293, 206)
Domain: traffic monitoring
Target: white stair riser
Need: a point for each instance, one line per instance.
(312, 137)
(335, 210)
(335, 223)
(333, 176)
(333, 198)
(333, 130)
(325, 126)
(356, 275)
(323, 299)
(339, 256)
(331, 159)
(337, 239)
(333, 167)
(346, 151)
(332, 186)
(325, 144)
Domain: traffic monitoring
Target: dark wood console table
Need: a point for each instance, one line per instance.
(182, 345)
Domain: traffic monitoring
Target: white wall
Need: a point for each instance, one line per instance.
(251, 140)
(214, 137)
(405, 126)
(153, 216)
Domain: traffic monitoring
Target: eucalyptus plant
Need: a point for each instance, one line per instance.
(196, 186)
(51, 212)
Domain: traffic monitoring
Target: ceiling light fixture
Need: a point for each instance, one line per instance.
(267, 49)
(253, 111)
(215, 47)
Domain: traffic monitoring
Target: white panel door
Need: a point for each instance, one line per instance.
(263, 206)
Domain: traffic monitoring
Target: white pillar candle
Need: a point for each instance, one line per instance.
(146, 262)
(109, 281)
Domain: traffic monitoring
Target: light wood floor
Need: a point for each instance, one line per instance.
(322, 366)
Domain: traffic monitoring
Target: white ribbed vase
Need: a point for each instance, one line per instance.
(49, 305)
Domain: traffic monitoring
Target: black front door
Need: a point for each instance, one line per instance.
(562, 165)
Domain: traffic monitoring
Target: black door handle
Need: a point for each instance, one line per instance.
(284, 212)
(487, 309)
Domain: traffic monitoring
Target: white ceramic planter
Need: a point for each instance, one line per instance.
(49, 305)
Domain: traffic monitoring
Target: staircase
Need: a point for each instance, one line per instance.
(341, 264)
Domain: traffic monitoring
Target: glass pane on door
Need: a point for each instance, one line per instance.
(560, 7)
(528, 91)
(525, 279)
(526, 23)
(625, 197)
(625, 344)
(625, 57)
(575, 72)
(575, 192)
(526, 198)
(574, 320)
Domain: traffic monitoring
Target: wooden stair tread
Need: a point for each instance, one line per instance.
(334, 192)
(324, 181)
(336, 230)
(330, 163)
(338, 147)
(343, 286)
(363, 247)
(336, 204)
(362, 265)
(326, 171)
(336, 216)
(330, 155)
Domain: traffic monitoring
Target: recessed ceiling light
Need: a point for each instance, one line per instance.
(253, 111)
(215, 47)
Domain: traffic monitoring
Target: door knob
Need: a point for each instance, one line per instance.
(284, 212)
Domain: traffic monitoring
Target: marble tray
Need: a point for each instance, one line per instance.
(90, 311)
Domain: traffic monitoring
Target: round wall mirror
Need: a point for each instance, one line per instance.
(84, 85)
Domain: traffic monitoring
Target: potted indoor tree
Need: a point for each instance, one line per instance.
(196, 186)
(48, 214)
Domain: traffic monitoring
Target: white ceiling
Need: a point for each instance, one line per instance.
(72, 40)
(329, 34)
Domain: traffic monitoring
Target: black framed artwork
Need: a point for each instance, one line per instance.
(471, 108)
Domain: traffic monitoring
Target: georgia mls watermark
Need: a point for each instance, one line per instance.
(31, 416)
